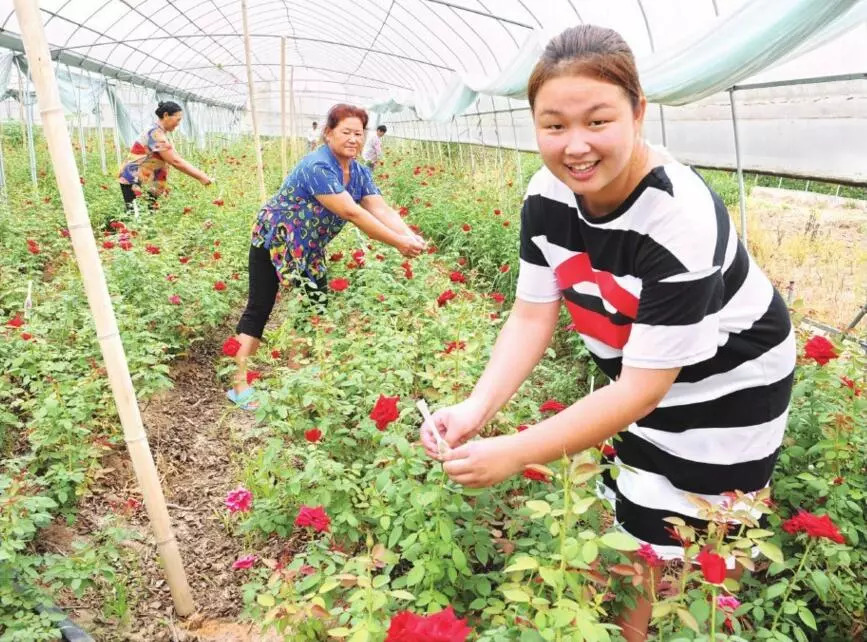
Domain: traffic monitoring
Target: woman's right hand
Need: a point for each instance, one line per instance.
(457, 424)
(410, 246)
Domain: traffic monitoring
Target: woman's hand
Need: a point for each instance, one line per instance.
(456, 424)
(410, 246)
(206, 180)
(483, 462)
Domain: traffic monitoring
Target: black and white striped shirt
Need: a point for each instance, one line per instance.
(664, 282)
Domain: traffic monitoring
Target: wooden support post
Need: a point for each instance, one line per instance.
(90, 266)
(260, 171)
(283, 167)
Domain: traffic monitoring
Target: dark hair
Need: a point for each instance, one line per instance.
(587, 50)
(382, 128)
(167, 107)
(342, 111)
(315, 123)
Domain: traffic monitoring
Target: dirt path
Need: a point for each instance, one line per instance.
(193, 434)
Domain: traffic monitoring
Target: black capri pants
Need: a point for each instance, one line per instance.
(129, 197)
(263, 285)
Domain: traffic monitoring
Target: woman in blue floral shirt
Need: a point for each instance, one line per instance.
(326, 189)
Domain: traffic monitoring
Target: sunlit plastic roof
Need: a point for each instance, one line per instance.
(356, 51)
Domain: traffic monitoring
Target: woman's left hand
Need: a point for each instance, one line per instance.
(483, 462)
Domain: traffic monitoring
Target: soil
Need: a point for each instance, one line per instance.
(193, 434)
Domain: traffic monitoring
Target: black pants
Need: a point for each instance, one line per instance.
(264, 284)
(129, 197)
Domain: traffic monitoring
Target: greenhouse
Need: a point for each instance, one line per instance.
(457, 321)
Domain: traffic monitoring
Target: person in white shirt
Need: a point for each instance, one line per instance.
(373, 148)
(313, 137)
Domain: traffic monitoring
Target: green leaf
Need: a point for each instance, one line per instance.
(552, 576)
(821, 583)
(362, 635)
(619, 541)
(538, 507)
(807, 617)
(266, 599)
(661, 609)
(328, 585)
(583, 505)
(758, 533)
(771, 551)
(775, 590)
(516, 595)
(402, 595)
(522, 563)
(415, 575)
(589, 551)
(687, 618)
(459, 558)
(339, 632)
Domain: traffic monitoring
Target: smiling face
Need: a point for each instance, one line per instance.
(589, 135)
(346, 139)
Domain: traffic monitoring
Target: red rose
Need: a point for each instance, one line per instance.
(385, 411)
(175, 299)
(443, 626)
(535, 475)
(820, 350)
(125, 245)
(188, 209)
(218, 202)
(313, 435)
(451, 346)
(522, 427)
(497, 297)
(504, 268)
(217, 256)
(15, 322)
(152, 249)
(713, 566)
(457, 277)
(466, 227)
(184, 259)
(252, 376)
(552, 405)
(445, 297)
(338, 285)
(316, 518)
(849, 383)
(506, 223)
(497, 212)
(219, 286)
(608, 451)
(814, 526)
(32, 246)
(275, 354)
(231, 347)
(64, 233)
(26, 336)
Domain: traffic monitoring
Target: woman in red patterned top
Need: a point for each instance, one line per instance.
(149, 157)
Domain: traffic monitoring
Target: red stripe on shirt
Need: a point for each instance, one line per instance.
(579, 270)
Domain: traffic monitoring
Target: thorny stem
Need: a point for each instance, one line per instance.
(792, 584)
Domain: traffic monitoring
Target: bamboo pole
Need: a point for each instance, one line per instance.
(292, 125)
(260, 171)
(87, 256)
(283, 106)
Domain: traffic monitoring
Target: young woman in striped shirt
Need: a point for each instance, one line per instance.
(696, 341)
